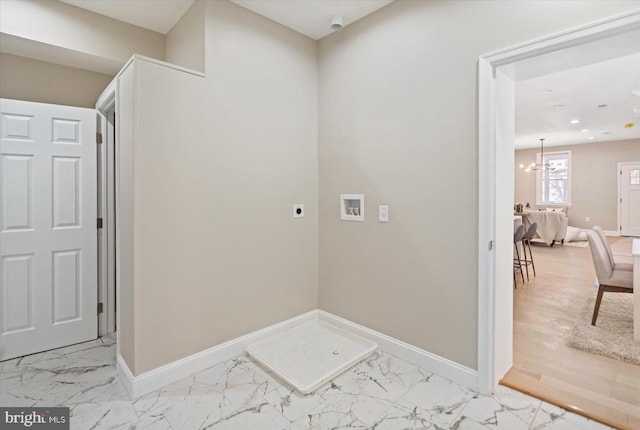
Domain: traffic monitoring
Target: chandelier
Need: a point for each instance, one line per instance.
(539, 167)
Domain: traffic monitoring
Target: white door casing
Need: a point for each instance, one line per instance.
(495, 348)
(48, 239)
(629, 199)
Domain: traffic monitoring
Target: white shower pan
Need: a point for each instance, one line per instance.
(310, 354)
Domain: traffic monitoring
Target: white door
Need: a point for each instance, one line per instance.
(630, 199)
(48, 240)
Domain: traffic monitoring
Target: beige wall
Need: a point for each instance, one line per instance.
(75, 34)
(185, 42)
(217, 251)
(37, 81)
(594, 180)
(398, 121)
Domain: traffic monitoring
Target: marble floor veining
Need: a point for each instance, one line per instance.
(382, 393)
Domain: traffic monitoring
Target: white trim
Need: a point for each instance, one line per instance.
(486, 223)
(149, 381)
(169, 65)
(574, 36)
(106, 236)
(612, 233)
(489, 113)
(619, 205)
(441, 366)
(124, 374)
(108, 98)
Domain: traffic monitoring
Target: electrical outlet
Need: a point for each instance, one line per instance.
(298, 211)
(383, 213)
(587, 219)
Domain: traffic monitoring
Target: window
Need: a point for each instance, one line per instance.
(553, 185)
(634, 177)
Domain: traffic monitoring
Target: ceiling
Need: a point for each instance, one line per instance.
(312, 17)
(597, 95)
(309, 17)
(156, 15)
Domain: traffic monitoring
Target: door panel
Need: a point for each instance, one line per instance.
(630, 199)
(16, 192)
(18, 293)
(48, 241)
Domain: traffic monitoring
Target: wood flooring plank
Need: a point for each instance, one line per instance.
(545, 310)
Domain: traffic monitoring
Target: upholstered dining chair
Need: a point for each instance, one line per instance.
(605, 242)
(609, 279)
(517, 237)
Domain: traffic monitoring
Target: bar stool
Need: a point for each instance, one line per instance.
(517, 237)
(526, 243)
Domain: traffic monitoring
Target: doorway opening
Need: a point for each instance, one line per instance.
(498, 73)
(107, 283)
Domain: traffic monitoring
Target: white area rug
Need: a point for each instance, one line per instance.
(581, 244)
(612, 336)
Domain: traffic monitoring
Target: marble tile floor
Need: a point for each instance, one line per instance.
(382, 392)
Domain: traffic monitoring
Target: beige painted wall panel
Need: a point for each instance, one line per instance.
(398, 121)
(37, 81)
(185, 42)
(220, 162)
(69, 27)
(594, 180)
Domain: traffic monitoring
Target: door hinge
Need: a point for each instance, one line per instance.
(620, 228)
(98, 138)
(99, 222)
(620, 199)
(100, 310)
(490, 245)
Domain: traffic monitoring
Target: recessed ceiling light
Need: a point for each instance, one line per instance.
(606, 132)
(602, 106)
(559, 106)
(591, 137)
(584, 130)
(575, 121)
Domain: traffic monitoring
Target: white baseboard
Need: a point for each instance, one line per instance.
(441, 366)
(611, 233)
(147, 382)
(125, 375)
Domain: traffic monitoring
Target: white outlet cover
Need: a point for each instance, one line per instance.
(383, 213)
(298, 211)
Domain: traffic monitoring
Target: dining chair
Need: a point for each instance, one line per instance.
(605, 242)
(609, 279)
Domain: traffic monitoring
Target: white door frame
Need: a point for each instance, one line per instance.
(106, 244)
(626, 163)
(495, 182)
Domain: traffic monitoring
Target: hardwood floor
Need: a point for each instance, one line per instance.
(545, 309)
